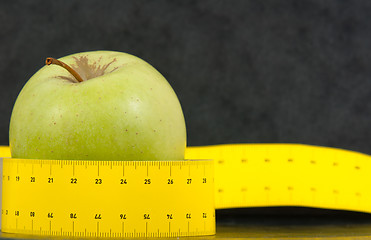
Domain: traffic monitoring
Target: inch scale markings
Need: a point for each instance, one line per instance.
(64, 196)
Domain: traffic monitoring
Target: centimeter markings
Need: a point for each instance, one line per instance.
(252, 175)
(246, 175)
(108, 198)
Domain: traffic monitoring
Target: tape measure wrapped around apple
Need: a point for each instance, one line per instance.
(93, 119)
(98, 146)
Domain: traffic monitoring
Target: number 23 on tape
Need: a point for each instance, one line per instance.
(108, 198)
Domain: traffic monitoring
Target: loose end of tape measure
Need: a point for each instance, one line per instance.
(256, 175)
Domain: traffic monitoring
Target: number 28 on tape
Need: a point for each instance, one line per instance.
(108, 198)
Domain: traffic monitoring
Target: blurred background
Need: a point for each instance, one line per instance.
(244, 71)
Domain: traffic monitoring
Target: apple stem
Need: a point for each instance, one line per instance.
(50, 60)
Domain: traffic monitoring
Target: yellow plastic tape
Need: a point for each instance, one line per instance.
(4, 151)
(254, 175)
(108, 198)
(100, 203)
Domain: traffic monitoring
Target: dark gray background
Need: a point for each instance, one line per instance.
(245, 71)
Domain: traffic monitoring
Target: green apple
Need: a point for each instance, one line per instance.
(99, 105)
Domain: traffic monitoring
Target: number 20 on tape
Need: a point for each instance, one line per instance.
(108, 198)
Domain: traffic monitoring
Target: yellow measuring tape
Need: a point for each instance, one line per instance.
(4, 151)
(108, 198)
(254, 175)
(177, 198)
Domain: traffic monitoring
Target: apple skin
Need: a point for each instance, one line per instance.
(128, 113)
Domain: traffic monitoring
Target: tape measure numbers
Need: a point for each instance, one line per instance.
(170, 199)
(108, 198)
